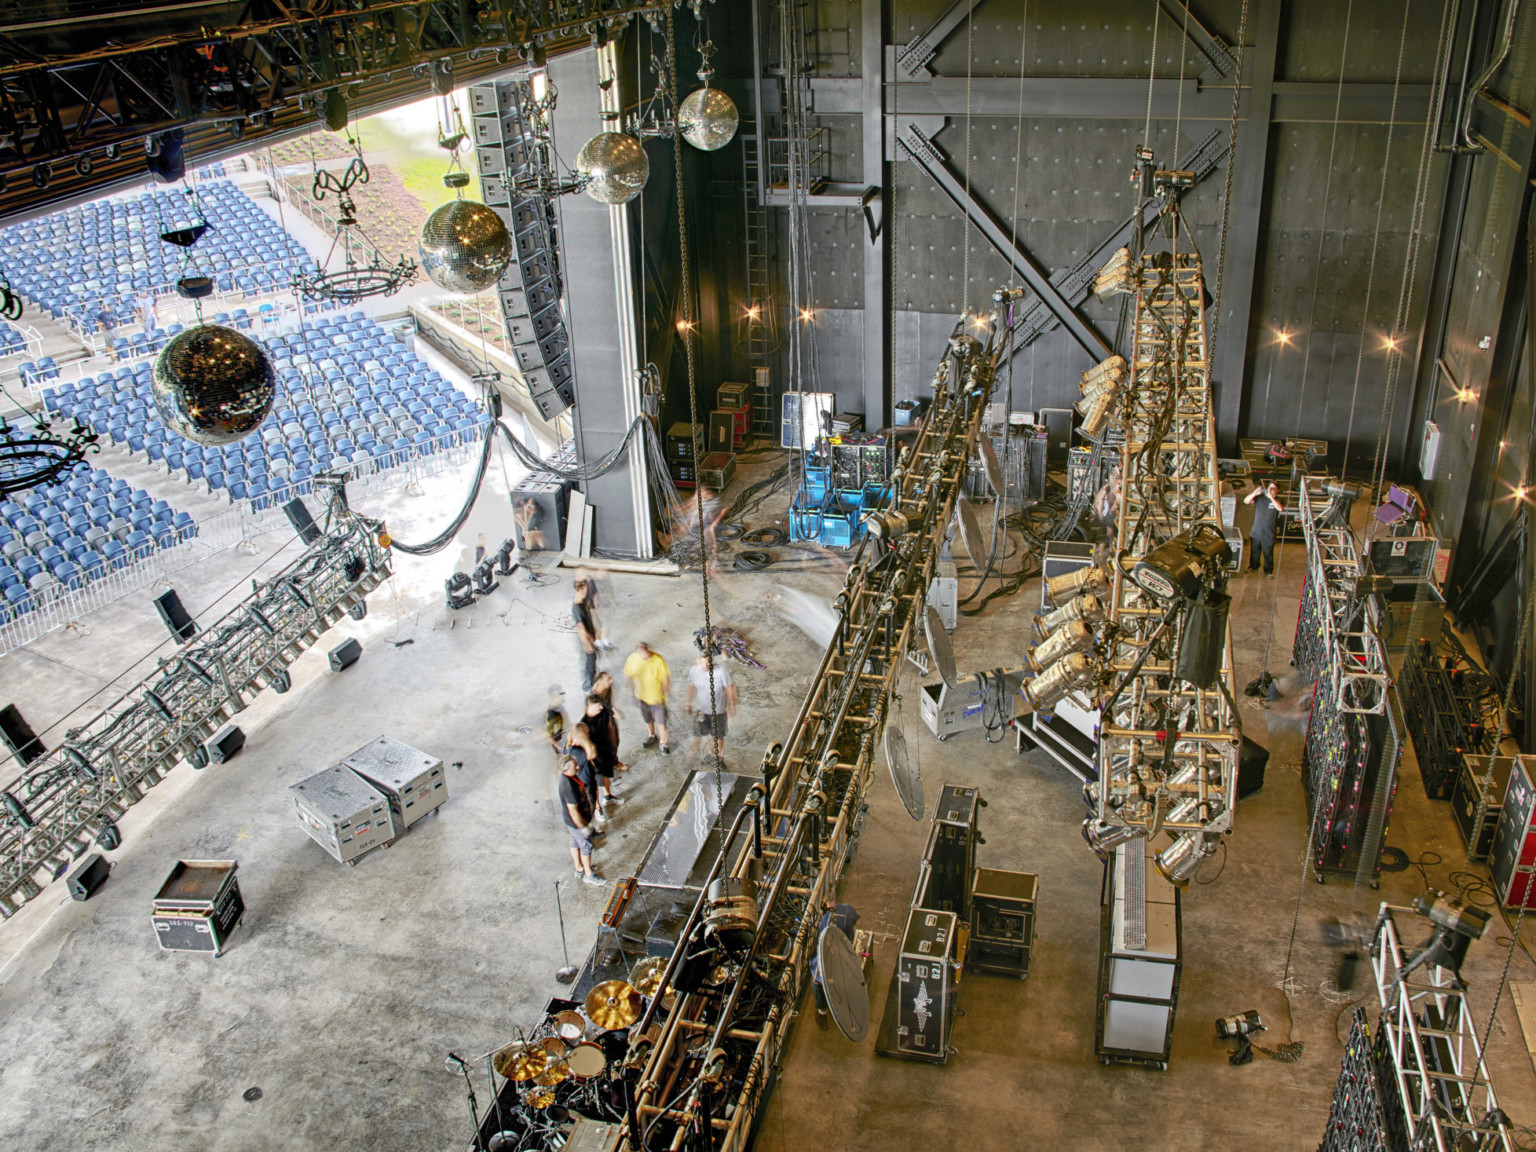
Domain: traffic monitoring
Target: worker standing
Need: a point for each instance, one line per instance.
(650, 680)
(1261, 537)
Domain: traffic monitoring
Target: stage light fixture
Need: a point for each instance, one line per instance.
(1179, 862)
(1087, 607)
(1181, 566)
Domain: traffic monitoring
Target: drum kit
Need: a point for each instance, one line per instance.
(571, 1062)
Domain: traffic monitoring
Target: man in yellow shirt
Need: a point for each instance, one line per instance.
(650, 680)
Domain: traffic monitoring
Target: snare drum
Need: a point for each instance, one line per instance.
(586, 1061)
(569, 1026)
(553, 1047)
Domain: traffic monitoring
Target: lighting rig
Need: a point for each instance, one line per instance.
(75, 794)
(742, 962)
(1144, 637)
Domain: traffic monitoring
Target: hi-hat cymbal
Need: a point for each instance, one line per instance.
(646, 976)
(518, 1061)
(554, 1072)
(613, 1004)
(541, 1097)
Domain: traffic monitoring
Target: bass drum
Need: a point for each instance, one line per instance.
(614, 1044)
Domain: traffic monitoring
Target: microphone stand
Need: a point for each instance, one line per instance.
(474, 1107)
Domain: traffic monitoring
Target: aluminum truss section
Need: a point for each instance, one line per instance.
(513, 147)
(1169, 484)
(74, 124)
(1353, 660)
(67, 798)
(1443, 1091)
(716, 1056)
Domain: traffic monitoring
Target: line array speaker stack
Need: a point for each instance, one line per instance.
(508, 145)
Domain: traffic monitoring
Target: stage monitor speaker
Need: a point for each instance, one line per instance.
(226, 742)
(303, 523)
(88, 875)
(1058, 437)
(18, 735)
(344, 655)
(1251, 761)
(175, 616)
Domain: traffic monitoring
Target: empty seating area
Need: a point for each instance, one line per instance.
(12, 341)
(349, 396)
(65, 534)
(93, 263)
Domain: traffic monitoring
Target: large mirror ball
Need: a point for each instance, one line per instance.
(464, 246)
(213, 385)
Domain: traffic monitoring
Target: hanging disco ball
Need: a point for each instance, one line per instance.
(464, 247)
(213, 385)
(708, 119)
(615, 166)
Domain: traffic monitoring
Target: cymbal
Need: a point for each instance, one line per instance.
(518, 1061)
(541, 1097)
(554, 1072)
(613, 1004)
(646, 976)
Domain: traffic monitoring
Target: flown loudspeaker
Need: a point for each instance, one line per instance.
(303, 523)
(842, 980)
(89, 875)
(227, 741)
(938, 645)
(175, 616)
(18, 735)
(344, 655)
(904, 774)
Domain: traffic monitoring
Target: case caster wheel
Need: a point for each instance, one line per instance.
(1103, 1061)
(351, 863)
(281, 683)
(199, 757)
(1162, 1065)
(1375, 885)
(1318, 876)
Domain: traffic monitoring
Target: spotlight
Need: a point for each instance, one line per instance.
(334, 110)
(1389, 343)
(1182, 859)
(1240, 1028)
(1091, 578)
(505, 565)
(1283, 336)
(485, 578)
(1077, 670)
(1457, 924)
(1075, 636)
(17, 811)
(459, 590)
(1085, 607)
(1104, 837)
(807, 315)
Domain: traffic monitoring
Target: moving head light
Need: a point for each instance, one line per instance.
(1180, 567)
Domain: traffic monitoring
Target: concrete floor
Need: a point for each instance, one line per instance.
(343, 988)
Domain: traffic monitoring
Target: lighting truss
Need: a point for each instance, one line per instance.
(1353, 667)
(1169, 485)
(1443, 1090)
(806, 814)
(77, 122)
(68, 797)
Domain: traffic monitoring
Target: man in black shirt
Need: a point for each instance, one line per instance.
(576, 810)
(1261, 537)
(586, 635)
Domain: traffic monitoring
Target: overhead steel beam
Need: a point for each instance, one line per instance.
(1215, 53)
(1076, 282)
(912, 59)
(912, 137)
(1123, 99)
(1240, 277)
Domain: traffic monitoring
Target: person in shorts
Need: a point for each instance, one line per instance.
(576, 811)
(650, 680)
(711, 708)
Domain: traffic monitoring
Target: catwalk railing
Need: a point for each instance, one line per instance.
(1169, 486)
(1435, 1086)
(73, 794)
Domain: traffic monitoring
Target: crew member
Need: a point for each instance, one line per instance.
(1261, 537)
(586, 634)
(650, 679)
(713, 703)
(576, 811)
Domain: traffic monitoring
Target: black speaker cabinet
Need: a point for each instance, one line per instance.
(303, 523)
(539, 505)
(88, 875)
(1251, 761)
(344, 655)
(18, 735)
(226, 742)
(1058, 437)
(175, 616)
